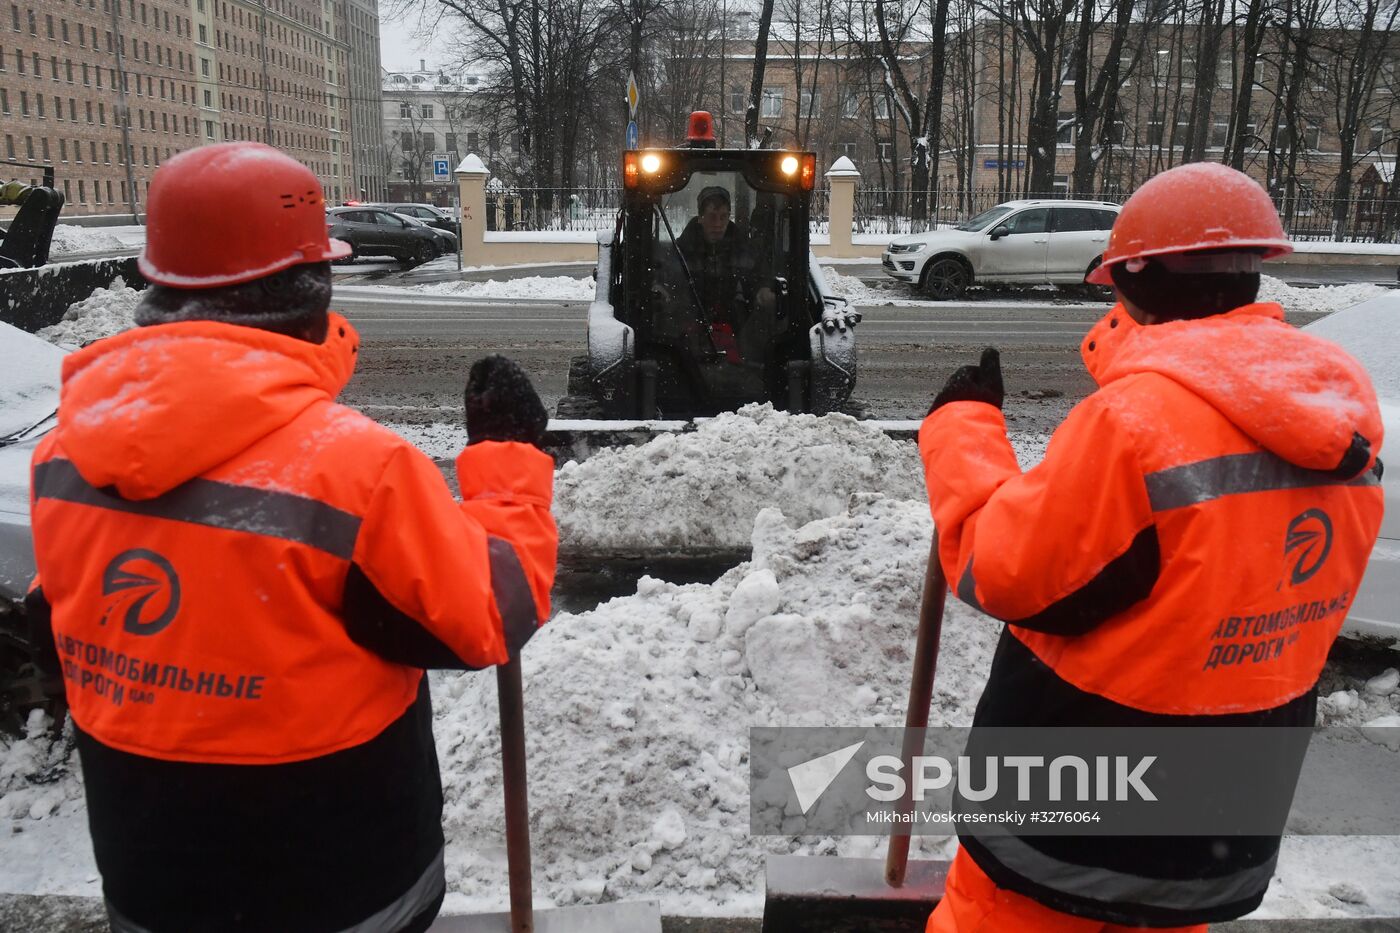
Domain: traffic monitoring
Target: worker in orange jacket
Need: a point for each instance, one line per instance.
(245, 581)
(1224, 471)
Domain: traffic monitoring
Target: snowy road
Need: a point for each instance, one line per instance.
(418, 347)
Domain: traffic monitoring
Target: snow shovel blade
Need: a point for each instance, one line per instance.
(847, 895)
(622, 917)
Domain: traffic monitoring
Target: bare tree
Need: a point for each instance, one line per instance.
(760, 62)
(1093, 115)
(1238, 137)
(1353, 69)
(922, 118)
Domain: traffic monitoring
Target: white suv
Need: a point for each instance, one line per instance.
(1019, 242)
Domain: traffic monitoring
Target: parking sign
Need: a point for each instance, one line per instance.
(441, 166)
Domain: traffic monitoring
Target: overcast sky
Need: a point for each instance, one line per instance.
(398, 49)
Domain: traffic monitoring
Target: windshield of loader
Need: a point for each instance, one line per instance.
(731, 244)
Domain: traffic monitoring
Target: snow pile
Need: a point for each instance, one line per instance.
(35, 780)
(105, 312)
(68, 238)
(857, 292)
(551, 287)
(703, 489)
(639, 711)
(1322, 300)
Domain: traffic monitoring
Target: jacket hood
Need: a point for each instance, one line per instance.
(152, 407)
(1299, 396)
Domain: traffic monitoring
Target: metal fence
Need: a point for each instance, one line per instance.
(552, 209)
(1306, 214)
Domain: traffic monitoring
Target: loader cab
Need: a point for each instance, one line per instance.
(710, 272)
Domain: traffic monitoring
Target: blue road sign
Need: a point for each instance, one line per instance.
(632, 135)
(441, 168)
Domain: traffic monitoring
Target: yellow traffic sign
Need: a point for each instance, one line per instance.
(633, 94)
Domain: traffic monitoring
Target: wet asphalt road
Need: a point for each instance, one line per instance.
(417, 350)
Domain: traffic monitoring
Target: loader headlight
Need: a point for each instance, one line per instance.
(789, 165)
(651, 163)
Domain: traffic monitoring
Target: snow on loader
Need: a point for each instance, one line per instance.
(708, 296)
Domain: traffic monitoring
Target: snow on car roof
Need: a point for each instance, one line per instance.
(29, 380)
(1369, 332)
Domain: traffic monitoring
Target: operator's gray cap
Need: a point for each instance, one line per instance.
(709, 194)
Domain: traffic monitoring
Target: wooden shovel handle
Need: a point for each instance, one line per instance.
(920, 696)
(512, 703)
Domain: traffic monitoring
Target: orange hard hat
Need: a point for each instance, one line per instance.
(233, 212)
(1193, 207)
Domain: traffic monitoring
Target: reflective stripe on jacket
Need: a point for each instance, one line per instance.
(202, 508)
(1185, 552)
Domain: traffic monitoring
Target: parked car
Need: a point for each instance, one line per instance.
(446, 242)
(372, 231)
(1019, 242)
(29, 387)
(1368, 332)
(430, 214)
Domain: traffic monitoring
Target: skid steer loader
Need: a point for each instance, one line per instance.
(697, 313)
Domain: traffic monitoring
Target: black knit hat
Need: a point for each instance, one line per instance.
(712, 193)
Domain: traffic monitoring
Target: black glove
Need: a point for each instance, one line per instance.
(980, 383)
(502, 405)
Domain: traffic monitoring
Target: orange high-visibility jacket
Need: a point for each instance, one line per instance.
(241, 572)
(1188, 547)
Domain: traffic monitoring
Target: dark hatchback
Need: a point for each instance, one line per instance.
(373, 231)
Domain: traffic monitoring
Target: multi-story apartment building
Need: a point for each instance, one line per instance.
(358, 24)
(843, 105)
(104, 91)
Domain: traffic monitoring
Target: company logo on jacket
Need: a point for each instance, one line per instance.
(143, 588)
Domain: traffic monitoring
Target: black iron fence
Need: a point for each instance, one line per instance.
(1368, 216)
(1307, 214)
(552, 209)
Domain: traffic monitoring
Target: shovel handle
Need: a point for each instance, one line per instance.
(920, 696)
(512, 703)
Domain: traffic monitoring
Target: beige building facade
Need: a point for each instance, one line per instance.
(105, 91)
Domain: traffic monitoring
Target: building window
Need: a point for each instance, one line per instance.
(426, 111)
(1219, 130)
(850, 105)
(473, 142)
(1154, 132)
(772, 102)
(405, 111)
(885, 149)
(848, 150)
(1064, 128)
(882, 107)
(1225, 73)
(209, 129)
(810, 101)
(204, 67)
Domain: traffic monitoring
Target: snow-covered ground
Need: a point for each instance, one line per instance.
(639, 709)
(891, 293)
(1324, 299)
(551, 287)
(70, 238)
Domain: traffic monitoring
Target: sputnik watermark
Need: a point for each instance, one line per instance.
(1158, 781)
(1117, 778)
